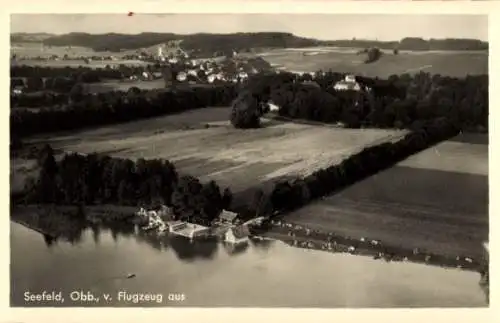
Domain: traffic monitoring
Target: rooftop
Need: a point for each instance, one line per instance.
(241, 231)
(227, 215)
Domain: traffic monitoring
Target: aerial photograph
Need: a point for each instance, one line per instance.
(249, 160)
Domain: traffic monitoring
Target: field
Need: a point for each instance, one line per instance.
(203, 144)
(436, 200)
(36, 50)
(456, 64)
(78, 63)
(125, 86)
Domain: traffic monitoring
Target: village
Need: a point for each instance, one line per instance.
(146, 66)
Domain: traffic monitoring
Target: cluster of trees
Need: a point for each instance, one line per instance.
(39, 99)
(253, 95)
(291, 194)
(373, 54)
(246, 111)
(398, 102)
(50, 84)
(79, 179)
(84, 110)
(61, 79)
(196, 202)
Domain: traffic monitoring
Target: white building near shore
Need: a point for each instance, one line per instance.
(237, 235)
(273, 107)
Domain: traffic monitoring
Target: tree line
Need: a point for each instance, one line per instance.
(25, 73)
(80, 74)
(79, 179)
(84, 110)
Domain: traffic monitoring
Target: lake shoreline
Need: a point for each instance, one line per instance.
(294, 235)
(330, 242)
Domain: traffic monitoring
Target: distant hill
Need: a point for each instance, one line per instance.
(241, 42)
(29, 38)
(209, 43)
(413, 43)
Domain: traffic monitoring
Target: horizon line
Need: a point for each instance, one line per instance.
(244, 32)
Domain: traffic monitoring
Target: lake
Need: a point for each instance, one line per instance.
(210, 274)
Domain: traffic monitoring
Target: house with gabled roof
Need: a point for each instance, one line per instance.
(227, 217)
(237, 235)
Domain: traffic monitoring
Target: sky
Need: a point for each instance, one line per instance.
(319, 26)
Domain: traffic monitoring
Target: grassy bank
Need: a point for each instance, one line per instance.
(303, 237)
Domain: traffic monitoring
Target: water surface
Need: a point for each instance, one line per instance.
(263, 274)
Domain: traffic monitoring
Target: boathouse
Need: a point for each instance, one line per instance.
(188, 230)
(227, 217)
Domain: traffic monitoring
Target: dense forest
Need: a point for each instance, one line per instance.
(211, 43)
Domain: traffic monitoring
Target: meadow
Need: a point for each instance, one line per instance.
(436, 200)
